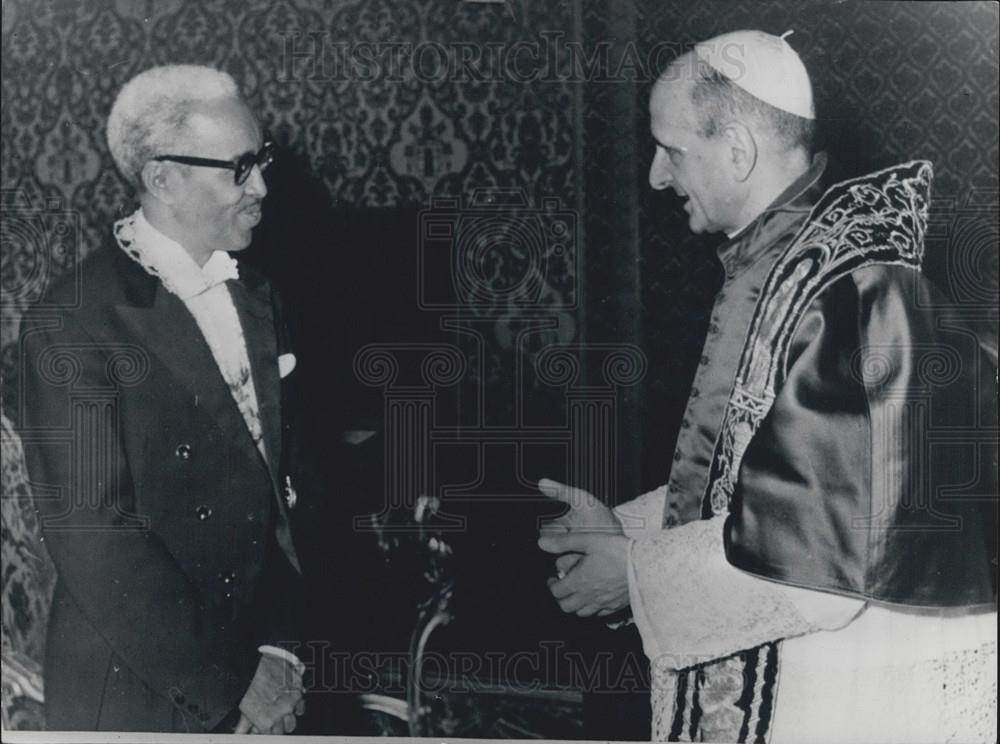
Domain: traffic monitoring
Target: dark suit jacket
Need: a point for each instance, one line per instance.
(157, 508)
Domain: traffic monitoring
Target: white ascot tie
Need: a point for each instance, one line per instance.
(167, 260)
(220, 268)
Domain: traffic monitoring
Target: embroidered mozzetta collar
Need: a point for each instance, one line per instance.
(167, 260)
(745, 246)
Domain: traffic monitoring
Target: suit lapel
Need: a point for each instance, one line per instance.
(162, 324)
(168, 331)
(252, 298)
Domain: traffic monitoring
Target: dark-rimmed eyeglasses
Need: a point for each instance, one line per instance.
(241, 167)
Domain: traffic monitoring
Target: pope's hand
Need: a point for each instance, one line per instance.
(597, 584)
(586, 513)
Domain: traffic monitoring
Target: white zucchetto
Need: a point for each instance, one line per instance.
(765, 66)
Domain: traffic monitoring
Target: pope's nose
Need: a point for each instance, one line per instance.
(660, 176)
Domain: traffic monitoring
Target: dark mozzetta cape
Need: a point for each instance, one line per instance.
(858, 450)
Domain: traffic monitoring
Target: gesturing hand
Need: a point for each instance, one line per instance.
(598, 581)
(586, 513)
(273, 700)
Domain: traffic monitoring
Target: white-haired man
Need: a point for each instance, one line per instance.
(821, 564)
(166, 508)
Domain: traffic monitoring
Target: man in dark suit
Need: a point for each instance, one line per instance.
(160, 449)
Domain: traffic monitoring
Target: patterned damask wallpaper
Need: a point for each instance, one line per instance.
(388, 102)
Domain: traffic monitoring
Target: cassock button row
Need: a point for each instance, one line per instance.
(183, 451)
(203, 512)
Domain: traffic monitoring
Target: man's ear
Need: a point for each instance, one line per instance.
(742, 150)
(160, 180)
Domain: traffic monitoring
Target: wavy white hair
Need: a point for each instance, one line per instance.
(152, 109)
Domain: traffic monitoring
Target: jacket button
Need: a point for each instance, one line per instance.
(203, 512)
(183, 451)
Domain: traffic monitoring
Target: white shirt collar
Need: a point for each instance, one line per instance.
(165, 258)
(733, 233)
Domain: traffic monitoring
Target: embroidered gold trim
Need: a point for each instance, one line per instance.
(880, 218)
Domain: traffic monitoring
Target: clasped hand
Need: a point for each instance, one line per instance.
(593, 553)
(273, 700)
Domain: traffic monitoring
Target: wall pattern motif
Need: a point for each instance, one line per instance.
(375, 96)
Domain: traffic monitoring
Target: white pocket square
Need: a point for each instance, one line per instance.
(286, 363)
